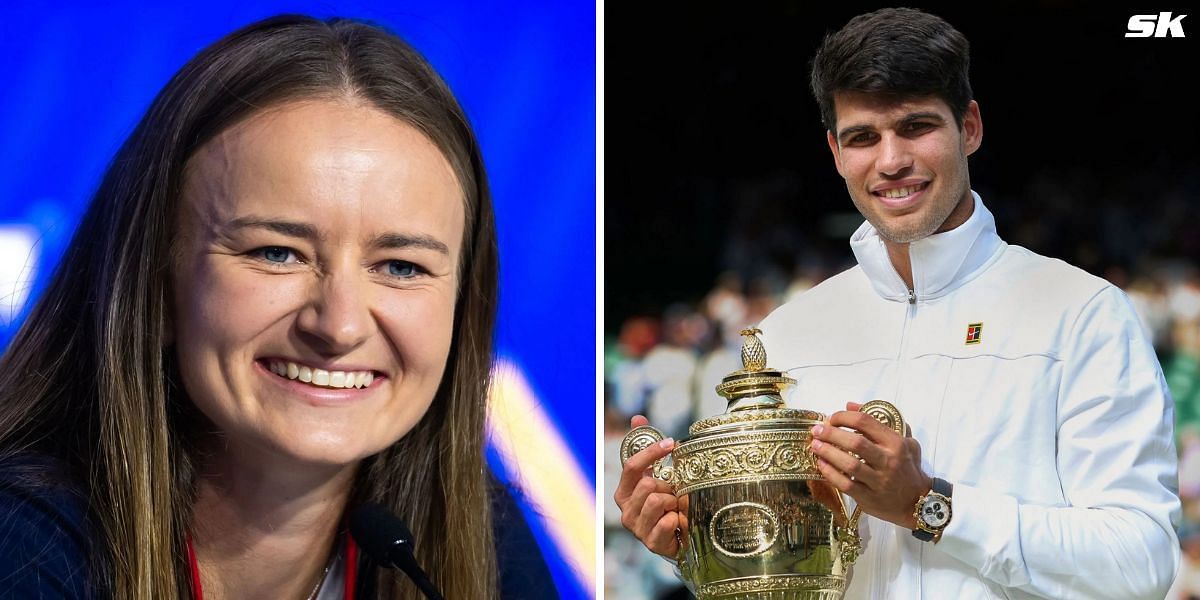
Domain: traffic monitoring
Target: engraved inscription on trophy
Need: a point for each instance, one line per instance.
(744, 529)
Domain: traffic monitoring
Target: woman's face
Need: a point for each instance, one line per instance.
(315, 285)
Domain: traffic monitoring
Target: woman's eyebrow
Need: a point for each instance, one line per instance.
(288, 228)
(405, 240)
(305, 231)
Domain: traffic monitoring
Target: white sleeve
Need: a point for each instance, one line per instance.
(1119, 473)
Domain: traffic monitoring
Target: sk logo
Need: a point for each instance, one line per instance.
(1160, 25)
(974, 331)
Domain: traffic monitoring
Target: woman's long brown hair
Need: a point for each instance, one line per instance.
(90, 378)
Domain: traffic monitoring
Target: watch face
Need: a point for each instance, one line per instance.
(935, 512)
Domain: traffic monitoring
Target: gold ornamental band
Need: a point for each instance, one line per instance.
(775, 587)
(752, 416)
(768, 383)
(741, 457)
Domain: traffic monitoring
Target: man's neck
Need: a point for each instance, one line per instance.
(898, 252)
(266, 530)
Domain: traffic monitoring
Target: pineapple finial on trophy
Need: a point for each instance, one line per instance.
(754, 356)
(754, 385)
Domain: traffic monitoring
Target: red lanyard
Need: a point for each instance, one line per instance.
(347, 590)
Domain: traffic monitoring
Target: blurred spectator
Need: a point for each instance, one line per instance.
(623, 364)
(1149, 299)
(1187, 582)
(669, 368)
(723, 359)
(1183, 377)
(726, 303)
(1184, 300)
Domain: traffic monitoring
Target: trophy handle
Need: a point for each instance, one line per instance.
(640, 438)
(847, 533)
(850, 541)
(886, 413)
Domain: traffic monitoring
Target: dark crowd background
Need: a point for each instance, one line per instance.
(721, 197)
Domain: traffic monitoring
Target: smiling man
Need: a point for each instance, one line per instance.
(1040, 462)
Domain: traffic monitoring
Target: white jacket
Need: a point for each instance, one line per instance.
(1055, 428)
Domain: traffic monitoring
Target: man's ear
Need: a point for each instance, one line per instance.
(972, 128)
(835, 150)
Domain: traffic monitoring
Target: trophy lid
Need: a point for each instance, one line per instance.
(754, 393)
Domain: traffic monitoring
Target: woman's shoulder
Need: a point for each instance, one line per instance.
(44, 544)
(523, 572)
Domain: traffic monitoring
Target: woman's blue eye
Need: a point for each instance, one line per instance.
(276, 254)
(401, 268)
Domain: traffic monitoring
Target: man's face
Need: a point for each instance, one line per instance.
(905, 162)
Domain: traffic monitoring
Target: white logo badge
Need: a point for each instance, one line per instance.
(1160, 25)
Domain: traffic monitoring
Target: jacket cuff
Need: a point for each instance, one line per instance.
(982, 526)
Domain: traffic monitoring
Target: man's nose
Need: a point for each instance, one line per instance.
(895, 156)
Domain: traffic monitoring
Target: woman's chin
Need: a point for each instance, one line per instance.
(316, 451)
(326, 453)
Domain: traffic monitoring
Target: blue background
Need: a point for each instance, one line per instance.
(78, 78)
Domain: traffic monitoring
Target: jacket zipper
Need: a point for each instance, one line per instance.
(909, 314)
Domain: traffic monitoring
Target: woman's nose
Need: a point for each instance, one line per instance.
(337, 314)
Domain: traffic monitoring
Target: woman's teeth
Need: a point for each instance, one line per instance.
(321, 377)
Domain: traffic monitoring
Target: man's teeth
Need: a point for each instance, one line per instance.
(900, 192)
(321, 377)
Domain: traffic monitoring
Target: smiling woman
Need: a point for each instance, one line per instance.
(278, 306)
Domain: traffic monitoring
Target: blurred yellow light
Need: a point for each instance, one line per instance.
(537, 459)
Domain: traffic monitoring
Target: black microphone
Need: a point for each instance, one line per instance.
(386, 539)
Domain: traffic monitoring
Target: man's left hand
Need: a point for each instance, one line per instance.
(887, 480)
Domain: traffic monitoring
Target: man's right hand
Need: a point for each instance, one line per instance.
(649, 508)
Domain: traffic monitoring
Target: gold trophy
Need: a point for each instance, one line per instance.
(761, 523)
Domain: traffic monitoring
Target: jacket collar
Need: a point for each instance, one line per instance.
(941, 262)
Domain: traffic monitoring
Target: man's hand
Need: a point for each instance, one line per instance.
(887, 480)
(649, 508)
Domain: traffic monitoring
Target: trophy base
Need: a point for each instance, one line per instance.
(775, 587)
